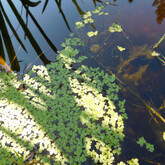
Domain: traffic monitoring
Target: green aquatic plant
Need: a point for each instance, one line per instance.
(87, 17)
(143, 142)
(163, 135)
(161, 39)
(71, 111)
(79, 24)
(115, 28)
(120, 48)
(98, 9)
(158, 56)
(155, 54)
(64, 111)
(106, 13)
(133, 161)
(91, 33)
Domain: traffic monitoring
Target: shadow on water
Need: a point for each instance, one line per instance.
(5, 30)
(9, 45)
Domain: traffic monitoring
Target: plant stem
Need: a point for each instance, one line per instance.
(132, 92)
(161, 39)
(118, 18)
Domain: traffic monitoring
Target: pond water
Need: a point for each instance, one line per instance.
(142, 26)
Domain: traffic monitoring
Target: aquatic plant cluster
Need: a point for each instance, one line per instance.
(143, 142)
(69, 113)
(65, 112)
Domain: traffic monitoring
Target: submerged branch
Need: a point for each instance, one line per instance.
(132, 92)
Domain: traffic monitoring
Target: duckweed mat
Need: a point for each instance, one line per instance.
(62, 113)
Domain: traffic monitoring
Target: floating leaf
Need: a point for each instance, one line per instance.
(88, 20)
(107, 3)
(79, 25)
(115, 28)
(141, 141)
(149, 146)
(163, 135)
(87, 15)
(107, 13)
(120, 48)
(155, 54)
(96, 11)
(71, 34)
(101, 13)
(91, 33)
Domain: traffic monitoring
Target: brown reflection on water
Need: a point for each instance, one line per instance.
(160, 11)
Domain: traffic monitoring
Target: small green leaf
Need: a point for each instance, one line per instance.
(141, 141)
(79, 25)
(120, 48)
(101, 13)
(115, 28)
(155, 54)
(107, 13)
(91, 33)
(71, 34)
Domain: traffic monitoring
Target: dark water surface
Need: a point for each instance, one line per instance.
(145, 75)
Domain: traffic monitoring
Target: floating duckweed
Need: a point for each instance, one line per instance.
(79, 25)
(91, 33)
(155, 54)
(115, 28)
(106, 13)
(143, 142)
(133, 161)
(67, 113)
(120, 48)
(163, 135)
(87, 15)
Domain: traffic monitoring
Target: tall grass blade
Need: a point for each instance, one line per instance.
(28, 33)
